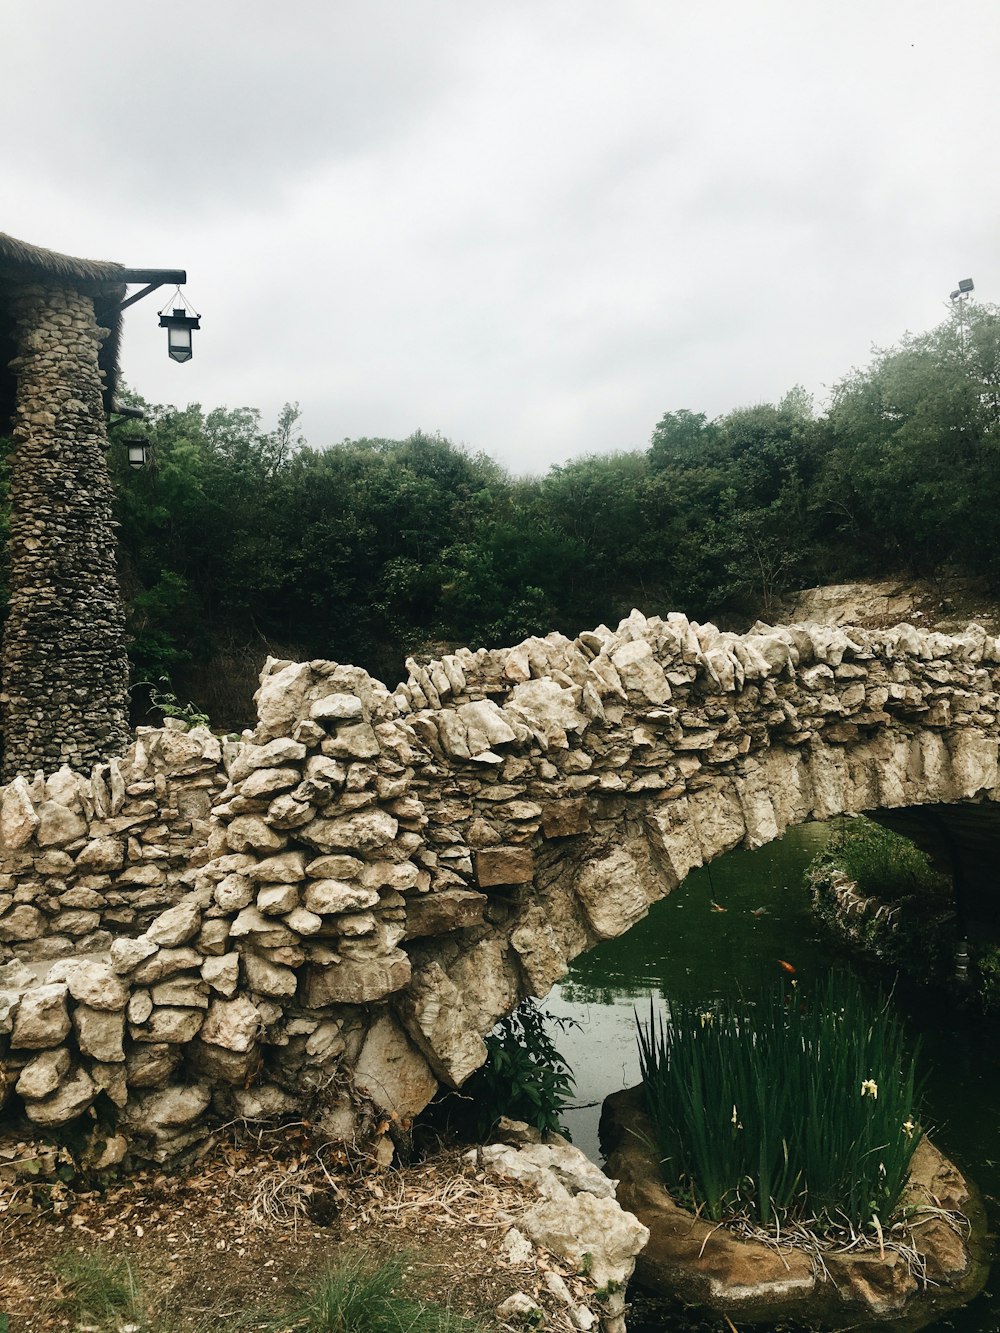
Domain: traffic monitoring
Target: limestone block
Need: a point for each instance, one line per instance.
(111, 1079)
(22, 923)
(140, 1006)
(173, 1026)
(222, 973)
(326, 897)
(100, 1033)
(437, 1021)
(184, 991)
(550, 710)
(91, 983)
(42, 1018)
(354, 740)
(392, 1072)
(58, 826)
(639, 671)
(266, 978)
(281, 699)
(277, 899)
(441, 913)
(250, 833)
(235, 1025)
(555, 1170)
(102, 855)
(73, 1096)
(303, 922)
(485, 725)
(355, 980)
(171, 1108)
(563, 819)
(613, 891)
(287, 868)
(265, 1101)
(234, 892)
(338, 707)
(550, 932)
(76, 923)
(150, 1066)
(18, 820)
(126, 955)
(176, 926)
(716, 815)
(325, 1043)
(9, 1001)
(396, 875)
(213, 938)
(365, 831)
(267, 782)
(290, 812)
(265, 930)
(504, 865)
(587, 1225)
(43, 1073)
(335, 867)
(166, 963)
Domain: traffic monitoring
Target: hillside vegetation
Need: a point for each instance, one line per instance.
(239, 541)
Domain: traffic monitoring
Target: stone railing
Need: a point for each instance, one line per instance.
(331, 913)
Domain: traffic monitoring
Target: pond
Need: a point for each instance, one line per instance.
(728, 928)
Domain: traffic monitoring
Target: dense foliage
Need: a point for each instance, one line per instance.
(784, 1107)
(239, 540)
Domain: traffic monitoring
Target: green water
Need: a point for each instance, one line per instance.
(686, 946)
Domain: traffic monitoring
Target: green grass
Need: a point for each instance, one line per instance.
(99, 1290)
(783, 1107)
(355, 1296)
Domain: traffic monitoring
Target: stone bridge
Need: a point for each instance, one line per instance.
(329, 914)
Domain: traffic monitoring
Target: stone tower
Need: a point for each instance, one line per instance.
(63, 665)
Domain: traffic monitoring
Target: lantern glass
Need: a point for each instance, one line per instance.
(179, 343)
(137, 453)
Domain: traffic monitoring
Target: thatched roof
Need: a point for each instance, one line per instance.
(18, 259)
(101, 279)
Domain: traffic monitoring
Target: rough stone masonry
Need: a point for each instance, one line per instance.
(329, 914)
(65, 670)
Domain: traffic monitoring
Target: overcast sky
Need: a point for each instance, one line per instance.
(531, 225)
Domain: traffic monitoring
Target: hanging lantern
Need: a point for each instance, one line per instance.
(179, 325)
(138, 450)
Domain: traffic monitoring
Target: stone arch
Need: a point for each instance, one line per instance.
(375, 877)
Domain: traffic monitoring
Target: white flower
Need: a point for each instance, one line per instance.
(909, 1126)
(869, 1088)
(706, 1018)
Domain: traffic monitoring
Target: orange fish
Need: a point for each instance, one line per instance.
(717, 907)
(786, 967)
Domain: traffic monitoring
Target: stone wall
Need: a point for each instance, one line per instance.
(382, 875)
(64, 667)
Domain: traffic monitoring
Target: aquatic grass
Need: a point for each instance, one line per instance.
(783, 1107)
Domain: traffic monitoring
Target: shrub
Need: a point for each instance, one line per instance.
(780, 1108)
(524, 1076)
(883, 864)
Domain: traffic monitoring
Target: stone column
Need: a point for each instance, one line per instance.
(63, 661)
